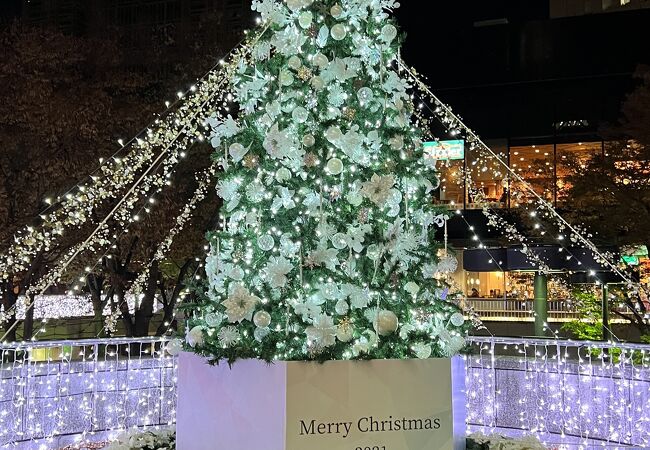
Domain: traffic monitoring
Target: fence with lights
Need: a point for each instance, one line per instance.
(54, 394)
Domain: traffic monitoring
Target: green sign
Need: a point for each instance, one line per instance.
(631, 260)
(444, 150)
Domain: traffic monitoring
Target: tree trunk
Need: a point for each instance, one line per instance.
(95, 285)
(169, 307)
(28, 324)
(8, 301)
(144, 312)
(123, 305)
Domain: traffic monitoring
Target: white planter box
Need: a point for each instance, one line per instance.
(339, 405)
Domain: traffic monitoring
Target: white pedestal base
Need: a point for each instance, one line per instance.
(339, 405)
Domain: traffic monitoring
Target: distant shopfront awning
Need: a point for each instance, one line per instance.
(513, 259)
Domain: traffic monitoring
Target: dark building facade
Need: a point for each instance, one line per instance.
(513, 70)
(536, 79)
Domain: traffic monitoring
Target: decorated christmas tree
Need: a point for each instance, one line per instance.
(328, 246)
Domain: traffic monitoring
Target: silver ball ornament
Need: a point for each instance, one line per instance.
(386, 322)
(174, 347)
(262, 319)
(344, 333)
(266, 242)
(335, 166)
(308, 140)
(213, 319)
(339, 32)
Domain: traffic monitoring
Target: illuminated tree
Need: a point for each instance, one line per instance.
(327, 249)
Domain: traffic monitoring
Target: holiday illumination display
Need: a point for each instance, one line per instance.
(327, 249)
(541, 208)
(563, 392)
(163, 143)
(175, 134)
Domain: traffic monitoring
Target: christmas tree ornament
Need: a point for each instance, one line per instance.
(363, 215)
(365, 95)
(322, 333)
(174, 347)
(305, 19)
(336, 11)
(317, 83)
(300, 115)
(310, 160)
(304, 73)
(237, 152)
(266, 242)
(412, 288)
(283, 174)
(308, 140)
(194, 336)
(228, 336)
(345, 332)
(386, 322)
(295, 63)
(350, 113)
(335, 194)
(339, 241)
(262, 319)
(335, 166)
(422, 351)
(286, 78)
(354, 197)
(251, 161)
(260, 333)
(240, 303)
(320, 60)
(388, 33)
(373, 252)
(342, 307)
(339, 32)
(213, 319)
(457, 319)
(333, 134)
(396, 142)
(295, 5)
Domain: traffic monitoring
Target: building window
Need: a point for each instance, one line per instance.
(452, 186)
(570, 158)
(489, 177)
(535, 164)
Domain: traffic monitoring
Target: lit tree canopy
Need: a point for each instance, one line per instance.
(616, 183)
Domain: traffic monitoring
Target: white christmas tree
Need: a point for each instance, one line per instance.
(328, 249)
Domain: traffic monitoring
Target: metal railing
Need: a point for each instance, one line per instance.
(54, 394)
(520, 309)
(567, 392)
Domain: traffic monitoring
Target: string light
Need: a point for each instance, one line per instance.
(84, 391)
(172, 133)
(582, 393)
(453, 122)
(564, 392)
(193, 116)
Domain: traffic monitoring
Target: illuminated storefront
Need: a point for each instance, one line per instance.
(546, 167)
